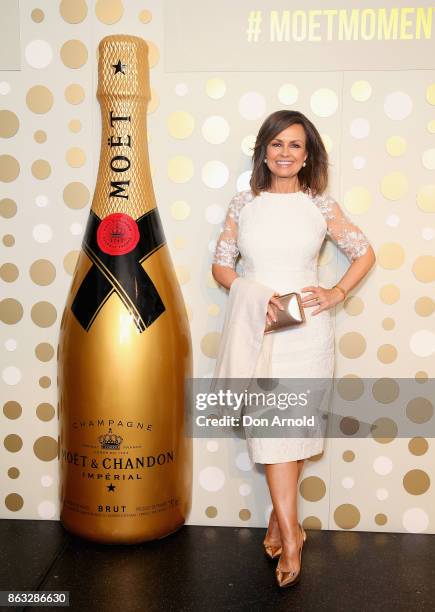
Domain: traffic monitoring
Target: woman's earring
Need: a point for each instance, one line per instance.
(265, 160)
(304, 164)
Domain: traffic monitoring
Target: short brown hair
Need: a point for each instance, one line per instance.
(314, 175)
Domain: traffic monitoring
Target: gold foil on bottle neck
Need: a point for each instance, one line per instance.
(123, 67)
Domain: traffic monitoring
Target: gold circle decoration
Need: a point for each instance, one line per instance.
(424, 306)
(37, 15)
(389, 294)
(387, 353)
(419, 410)
(74, 54)
(353, 305)
(45, 448)
(180, 169)
(45, 412)
(180, 124)
(13, 443)
(44, 351)
(44, 382)
(70, 261)
(73, 11)
(416, 482)
(312, 488)
(210, 344)
(388, 323)
(145, 16)
(391, 256)
(39, 99)
(9, 124)
(358, 200)
(384, 430)
(43, 314)
(350, 387)
(352, 345)
(423, 268)
(9, 272)
(8, 240)
(418, 446)
(396, 146)
(75, 157)
(180, 210)
(40, 136)
(386, 390)
(9, 168)
(381, 519)
(349, 426)
(11, 311)
(41, 169)
(426, 198)
(75, 126)
(348, 456)
(14, 502)
(74, 94)
(76, 195)
(109, 11)
(42, 272)
(244, 514)
(12, 410)
(211, 511)
(347, 516)
(394, 186)
(8, 208)
(13, 472)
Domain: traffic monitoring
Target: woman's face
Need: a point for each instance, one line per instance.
(286, 152)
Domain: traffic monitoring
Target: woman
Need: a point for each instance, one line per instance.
(278, 227)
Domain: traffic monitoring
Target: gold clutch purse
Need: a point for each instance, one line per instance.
(293, 313)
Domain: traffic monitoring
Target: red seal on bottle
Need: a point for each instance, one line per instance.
(117, 234)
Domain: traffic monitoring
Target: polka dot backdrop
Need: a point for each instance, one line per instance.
(378, 129)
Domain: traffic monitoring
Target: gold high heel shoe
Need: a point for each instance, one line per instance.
(285, 579)
(271, 550)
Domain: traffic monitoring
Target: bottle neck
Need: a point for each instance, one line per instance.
(124, 178)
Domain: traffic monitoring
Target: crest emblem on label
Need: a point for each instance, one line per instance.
(117, 234)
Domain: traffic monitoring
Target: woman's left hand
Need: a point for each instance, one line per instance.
(321, 297)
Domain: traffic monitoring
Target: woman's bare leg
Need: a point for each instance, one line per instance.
(282, 479)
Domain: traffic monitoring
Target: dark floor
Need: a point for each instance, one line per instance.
(218, 568)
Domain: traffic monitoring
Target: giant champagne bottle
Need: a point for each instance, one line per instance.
(124, 355)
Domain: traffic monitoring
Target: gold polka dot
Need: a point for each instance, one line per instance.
(421, 376)
(8, 208)
(40, 136)
(210, 344)
(180, 210)
(384, 430)
(349, 426)
(396, 146)
(75, 157)
(348, 456)
(37, 15)
(8, 240)
(109, 11)
(154, 102)
(180, 169)
(388, 323)
(419, 410)
(389, 294)
(74, 54)
(352, 345)
(213, 310)
(423, 268)
(416, 482)
(43, 314)
(418, 446)
(9, 272)
(41, 169)
(387, 353)
(145, 16)
(44, 351)
(14, 502)
(45, 448)
(353, 305)
(13, 472)
(9, 124)
(312, 488)
(385, 390)
(424, 306)
(394, 186)
(380, 519)
(358, 200)
(76, 195)
(42, 272)
(74, 126)
(70, 261)
(9, 168)
(215, 88)
(430, 93)
(211, 512)
(45, 382)
(426, 198)
(12, 409)
(13, 443)
(74, 94)
(312, 522)
(45, 412)
(153, 53)
(180, 124)
(11, 311)
(244, 514)
(39, 99)
(350, 387)
(391, 256)
(347, 516)
(73, 11)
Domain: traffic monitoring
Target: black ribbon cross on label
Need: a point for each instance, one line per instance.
(120, 272)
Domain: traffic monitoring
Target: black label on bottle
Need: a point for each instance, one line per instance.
(122, 274)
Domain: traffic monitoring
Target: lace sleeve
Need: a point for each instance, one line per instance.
(348, 236)
(226, 252)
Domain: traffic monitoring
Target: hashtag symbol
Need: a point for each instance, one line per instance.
(254, 23)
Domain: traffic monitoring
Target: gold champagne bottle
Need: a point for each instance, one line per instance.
(124, 354)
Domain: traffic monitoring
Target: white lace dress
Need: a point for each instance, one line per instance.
(279, 237)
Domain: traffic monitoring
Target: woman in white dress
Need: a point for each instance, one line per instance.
(278, 227)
